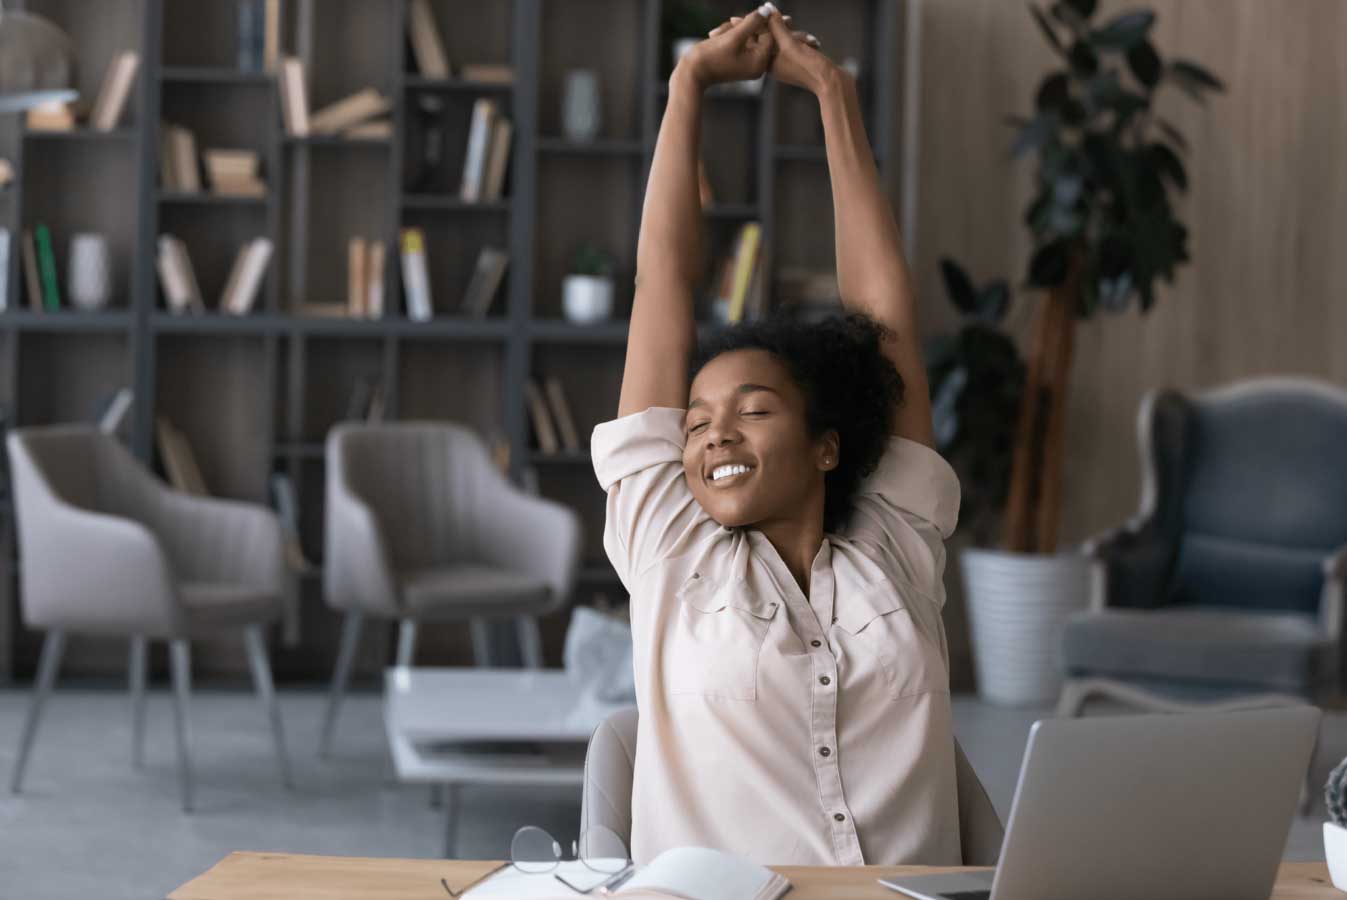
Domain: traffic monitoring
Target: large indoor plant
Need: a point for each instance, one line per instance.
(1103, 233)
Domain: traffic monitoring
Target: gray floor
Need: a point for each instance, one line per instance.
(87, 825)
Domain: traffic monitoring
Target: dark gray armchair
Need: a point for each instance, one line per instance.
(1226, 588)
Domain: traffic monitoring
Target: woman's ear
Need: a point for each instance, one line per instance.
(829, 451)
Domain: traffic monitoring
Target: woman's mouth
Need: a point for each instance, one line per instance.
(729, 475)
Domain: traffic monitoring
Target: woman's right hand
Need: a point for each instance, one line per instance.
(798, 59)
(738, 52)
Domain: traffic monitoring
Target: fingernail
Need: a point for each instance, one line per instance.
(764, 11)
(811, 39)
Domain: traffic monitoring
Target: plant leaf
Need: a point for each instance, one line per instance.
(959, 286)
(1084, 60)
(1175, 136)
(1053, 93)
(1144, 63)
(1033, 136)
(1049, 264)
(1124, 30)
(994, 300)
(1195, 75)
(1169, 165)
(1083, 8)
(1046, 27)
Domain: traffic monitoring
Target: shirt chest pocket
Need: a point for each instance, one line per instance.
(716, 638)
(879, 631)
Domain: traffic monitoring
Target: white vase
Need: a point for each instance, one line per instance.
(581, 105)
(1335, 854)
(89, 276)
(1018, 604)
(586, 298)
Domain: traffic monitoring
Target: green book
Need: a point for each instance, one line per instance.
(46, 264)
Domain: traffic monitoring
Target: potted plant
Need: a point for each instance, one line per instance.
(587, 292)
(1103, 233)
(1335, 830)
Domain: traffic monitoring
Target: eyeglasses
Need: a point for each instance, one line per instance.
(534, 851)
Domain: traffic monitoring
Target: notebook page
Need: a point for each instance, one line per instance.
(700, 874)
(511, 884)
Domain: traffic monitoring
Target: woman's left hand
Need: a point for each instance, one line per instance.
(733, 52)
(804, 63)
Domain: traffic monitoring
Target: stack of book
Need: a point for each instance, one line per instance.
(488, 153)
(177, 159)
(433, 62)
(259, 35)
(235, 173)
(553, 425)
(182, 294)
(362, 115)
(365, 262)
(54, 115)
(739, 287)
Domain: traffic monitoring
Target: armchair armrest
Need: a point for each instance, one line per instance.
(529, 534)
(94, 572)
(212, 539)
(1131, 564)
(356, 571)
(1335, 587)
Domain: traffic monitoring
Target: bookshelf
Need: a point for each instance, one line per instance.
(256, 394)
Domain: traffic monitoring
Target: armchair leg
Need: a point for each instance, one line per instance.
(136, 679)
(350, 639)
(530, 641)
(1073, 697)
(180, 656)
(481, 642)
(266, 693)
(406, 642)
(52, 648)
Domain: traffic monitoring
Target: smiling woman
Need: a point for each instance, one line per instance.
(778, 516)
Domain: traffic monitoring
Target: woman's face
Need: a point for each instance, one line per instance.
(745, 411)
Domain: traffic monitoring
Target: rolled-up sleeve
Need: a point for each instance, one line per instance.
(638, 460)
(903, 512)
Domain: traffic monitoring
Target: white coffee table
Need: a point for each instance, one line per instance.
(515, 727)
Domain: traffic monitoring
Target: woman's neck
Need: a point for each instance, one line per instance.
(797, 543)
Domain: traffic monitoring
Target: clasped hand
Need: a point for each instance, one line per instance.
(747, 47)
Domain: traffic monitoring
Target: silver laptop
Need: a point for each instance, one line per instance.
(1166, 807)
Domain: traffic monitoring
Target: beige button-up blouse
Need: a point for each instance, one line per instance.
(790, 729)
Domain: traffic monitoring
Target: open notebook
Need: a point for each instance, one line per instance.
(684, 873)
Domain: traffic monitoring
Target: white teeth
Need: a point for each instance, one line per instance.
(724, 471)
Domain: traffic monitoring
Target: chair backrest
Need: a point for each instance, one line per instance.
(611, 759)
(79, 465)
(424, 481)
(1262, 489)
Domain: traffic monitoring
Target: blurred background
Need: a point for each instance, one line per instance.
(245, 242)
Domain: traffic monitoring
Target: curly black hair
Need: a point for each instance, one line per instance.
(848, 384)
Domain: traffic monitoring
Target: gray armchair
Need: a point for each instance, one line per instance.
(421, 526)
(106, 548)
(610, 761)
(1226, 588)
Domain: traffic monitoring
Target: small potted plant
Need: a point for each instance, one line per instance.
(587, 292)
(1335, 830)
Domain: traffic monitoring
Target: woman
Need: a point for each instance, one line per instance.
(779, 522)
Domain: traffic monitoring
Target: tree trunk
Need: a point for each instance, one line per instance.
(1033, 505)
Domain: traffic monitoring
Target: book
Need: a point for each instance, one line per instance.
(415, 277)
(349, 111)
(242, 163)
(485, 281)
(294, 97)
(179, 462)
(356, 278)
(113, 411)
(55, 115)
(31, 277)
(543, 429)
(374, 291)
(487, 73)
(373, 130)
(250, 34)
(287, 511)
(688, 873)
(474, 161)
(561, 413)
(271, 35)
(182, 293)
(178, 169)
(498, 159)
(46, 268)
(114, 91)
(245, 278)
(745, 258)
(427, 48)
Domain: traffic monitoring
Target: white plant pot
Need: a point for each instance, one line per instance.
(1018, 604)
(1335, 854)
(586, 298)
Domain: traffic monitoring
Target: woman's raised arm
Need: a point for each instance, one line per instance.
(872, 275)
(669, 249)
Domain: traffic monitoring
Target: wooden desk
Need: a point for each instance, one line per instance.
(285, 876)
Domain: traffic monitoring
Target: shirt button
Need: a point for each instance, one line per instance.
(839, 817)
(816, 643)
(825, 680)
(824, 751)
(696, 575)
